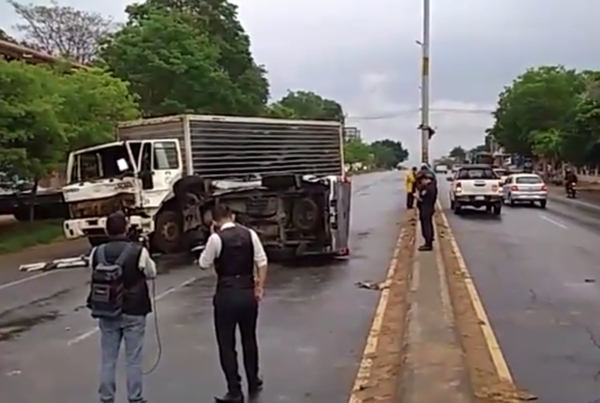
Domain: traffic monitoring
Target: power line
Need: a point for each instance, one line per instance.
(417, 110)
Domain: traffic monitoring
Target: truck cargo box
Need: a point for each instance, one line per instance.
(220, 147)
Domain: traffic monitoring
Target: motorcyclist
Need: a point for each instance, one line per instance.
(570, 179)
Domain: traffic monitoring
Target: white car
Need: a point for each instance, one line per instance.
(476, 186)
(525, 188)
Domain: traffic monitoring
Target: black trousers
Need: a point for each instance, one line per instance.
(410, 200)
(232, 309)
(426, 219)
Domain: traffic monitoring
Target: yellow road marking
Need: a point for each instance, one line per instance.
(486, 326)
(366, 363)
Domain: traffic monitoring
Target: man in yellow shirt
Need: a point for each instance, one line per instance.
(410, 183)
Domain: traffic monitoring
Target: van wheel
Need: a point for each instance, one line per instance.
(168, 232)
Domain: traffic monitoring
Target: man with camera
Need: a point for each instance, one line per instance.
(238, 257)
(119, 298)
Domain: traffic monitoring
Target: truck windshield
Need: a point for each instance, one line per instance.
(102, 163)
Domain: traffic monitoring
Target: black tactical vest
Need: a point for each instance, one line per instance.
(136, 297)
(235, 264)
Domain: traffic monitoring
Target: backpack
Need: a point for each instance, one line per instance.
(107, 288)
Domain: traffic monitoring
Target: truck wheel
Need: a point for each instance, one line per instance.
(167, 237)
(457, 209)
(497, 209)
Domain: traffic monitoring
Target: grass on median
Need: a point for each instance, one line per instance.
(16, 236)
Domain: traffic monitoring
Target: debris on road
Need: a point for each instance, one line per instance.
(66, 263)
(371, 285)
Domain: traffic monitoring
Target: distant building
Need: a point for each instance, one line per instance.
(352, 133)
(15, 51)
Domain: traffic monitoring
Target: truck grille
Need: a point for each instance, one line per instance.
(101, 207)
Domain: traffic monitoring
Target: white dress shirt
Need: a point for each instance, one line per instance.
(214, 245)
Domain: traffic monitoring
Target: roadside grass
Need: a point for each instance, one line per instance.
(16, 236)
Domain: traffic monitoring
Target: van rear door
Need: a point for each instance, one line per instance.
(339, 215)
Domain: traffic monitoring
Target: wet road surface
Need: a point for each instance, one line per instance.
(313, 323)
(538, 275)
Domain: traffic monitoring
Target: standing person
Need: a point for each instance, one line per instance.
(410, 182)
(120, 299)
(427, 197)
(235, 252)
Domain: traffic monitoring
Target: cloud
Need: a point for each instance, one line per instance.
(363, 54)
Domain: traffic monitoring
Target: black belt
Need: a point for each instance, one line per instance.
(239, 282)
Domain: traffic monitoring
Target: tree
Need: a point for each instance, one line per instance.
(308, 105)
(388, 153)
(458, 153)
(356, 151)
(171, 67)
(62, 30)
(217, 22)
(93, 103)
(33, 140)
(546, 144)
(541, 99)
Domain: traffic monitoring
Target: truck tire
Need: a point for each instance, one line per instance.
(168, 232)
(497, 209)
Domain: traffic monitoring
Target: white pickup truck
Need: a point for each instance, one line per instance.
(476, 186)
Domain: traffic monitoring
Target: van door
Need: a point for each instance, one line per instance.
(339, 215)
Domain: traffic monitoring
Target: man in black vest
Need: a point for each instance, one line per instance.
(130, 325)
(235, 252)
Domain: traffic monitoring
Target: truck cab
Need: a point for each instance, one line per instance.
(136, 177)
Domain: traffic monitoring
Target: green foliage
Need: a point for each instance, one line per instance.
(93, 103)
(355, 151)
(551, 112)
(308, 105)
(384, 154)
(33, 140)
(171, 67)
(458, 153)
(185, 56)
(45, 112)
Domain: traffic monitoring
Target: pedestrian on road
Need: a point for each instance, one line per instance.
(119, 298)
(427, 198)
(240, 262)
(410, 183)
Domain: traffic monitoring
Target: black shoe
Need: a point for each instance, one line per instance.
(255, 388)
(425, 248)
(230, 398)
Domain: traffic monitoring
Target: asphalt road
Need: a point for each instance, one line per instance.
(538, 276)
(313, 322)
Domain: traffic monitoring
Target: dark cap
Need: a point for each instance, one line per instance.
(116, 224)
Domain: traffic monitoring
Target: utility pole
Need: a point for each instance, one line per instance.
(425, 128)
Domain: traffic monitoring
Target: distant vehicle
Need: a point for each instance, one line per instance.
(441, 169)
(455, 167)
(502, 173)
(525, 188)
(476, 185)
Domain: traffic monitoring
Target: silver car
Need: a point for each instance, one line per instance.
(524, 188)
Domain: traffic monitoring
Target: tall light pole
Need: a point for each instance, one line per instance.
(424, 44)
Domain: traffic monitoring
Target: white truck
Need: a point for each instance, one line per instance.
(283, 178)
(476, 185)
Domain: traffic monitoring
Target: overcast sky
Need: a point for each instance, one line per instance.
(363, 54)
